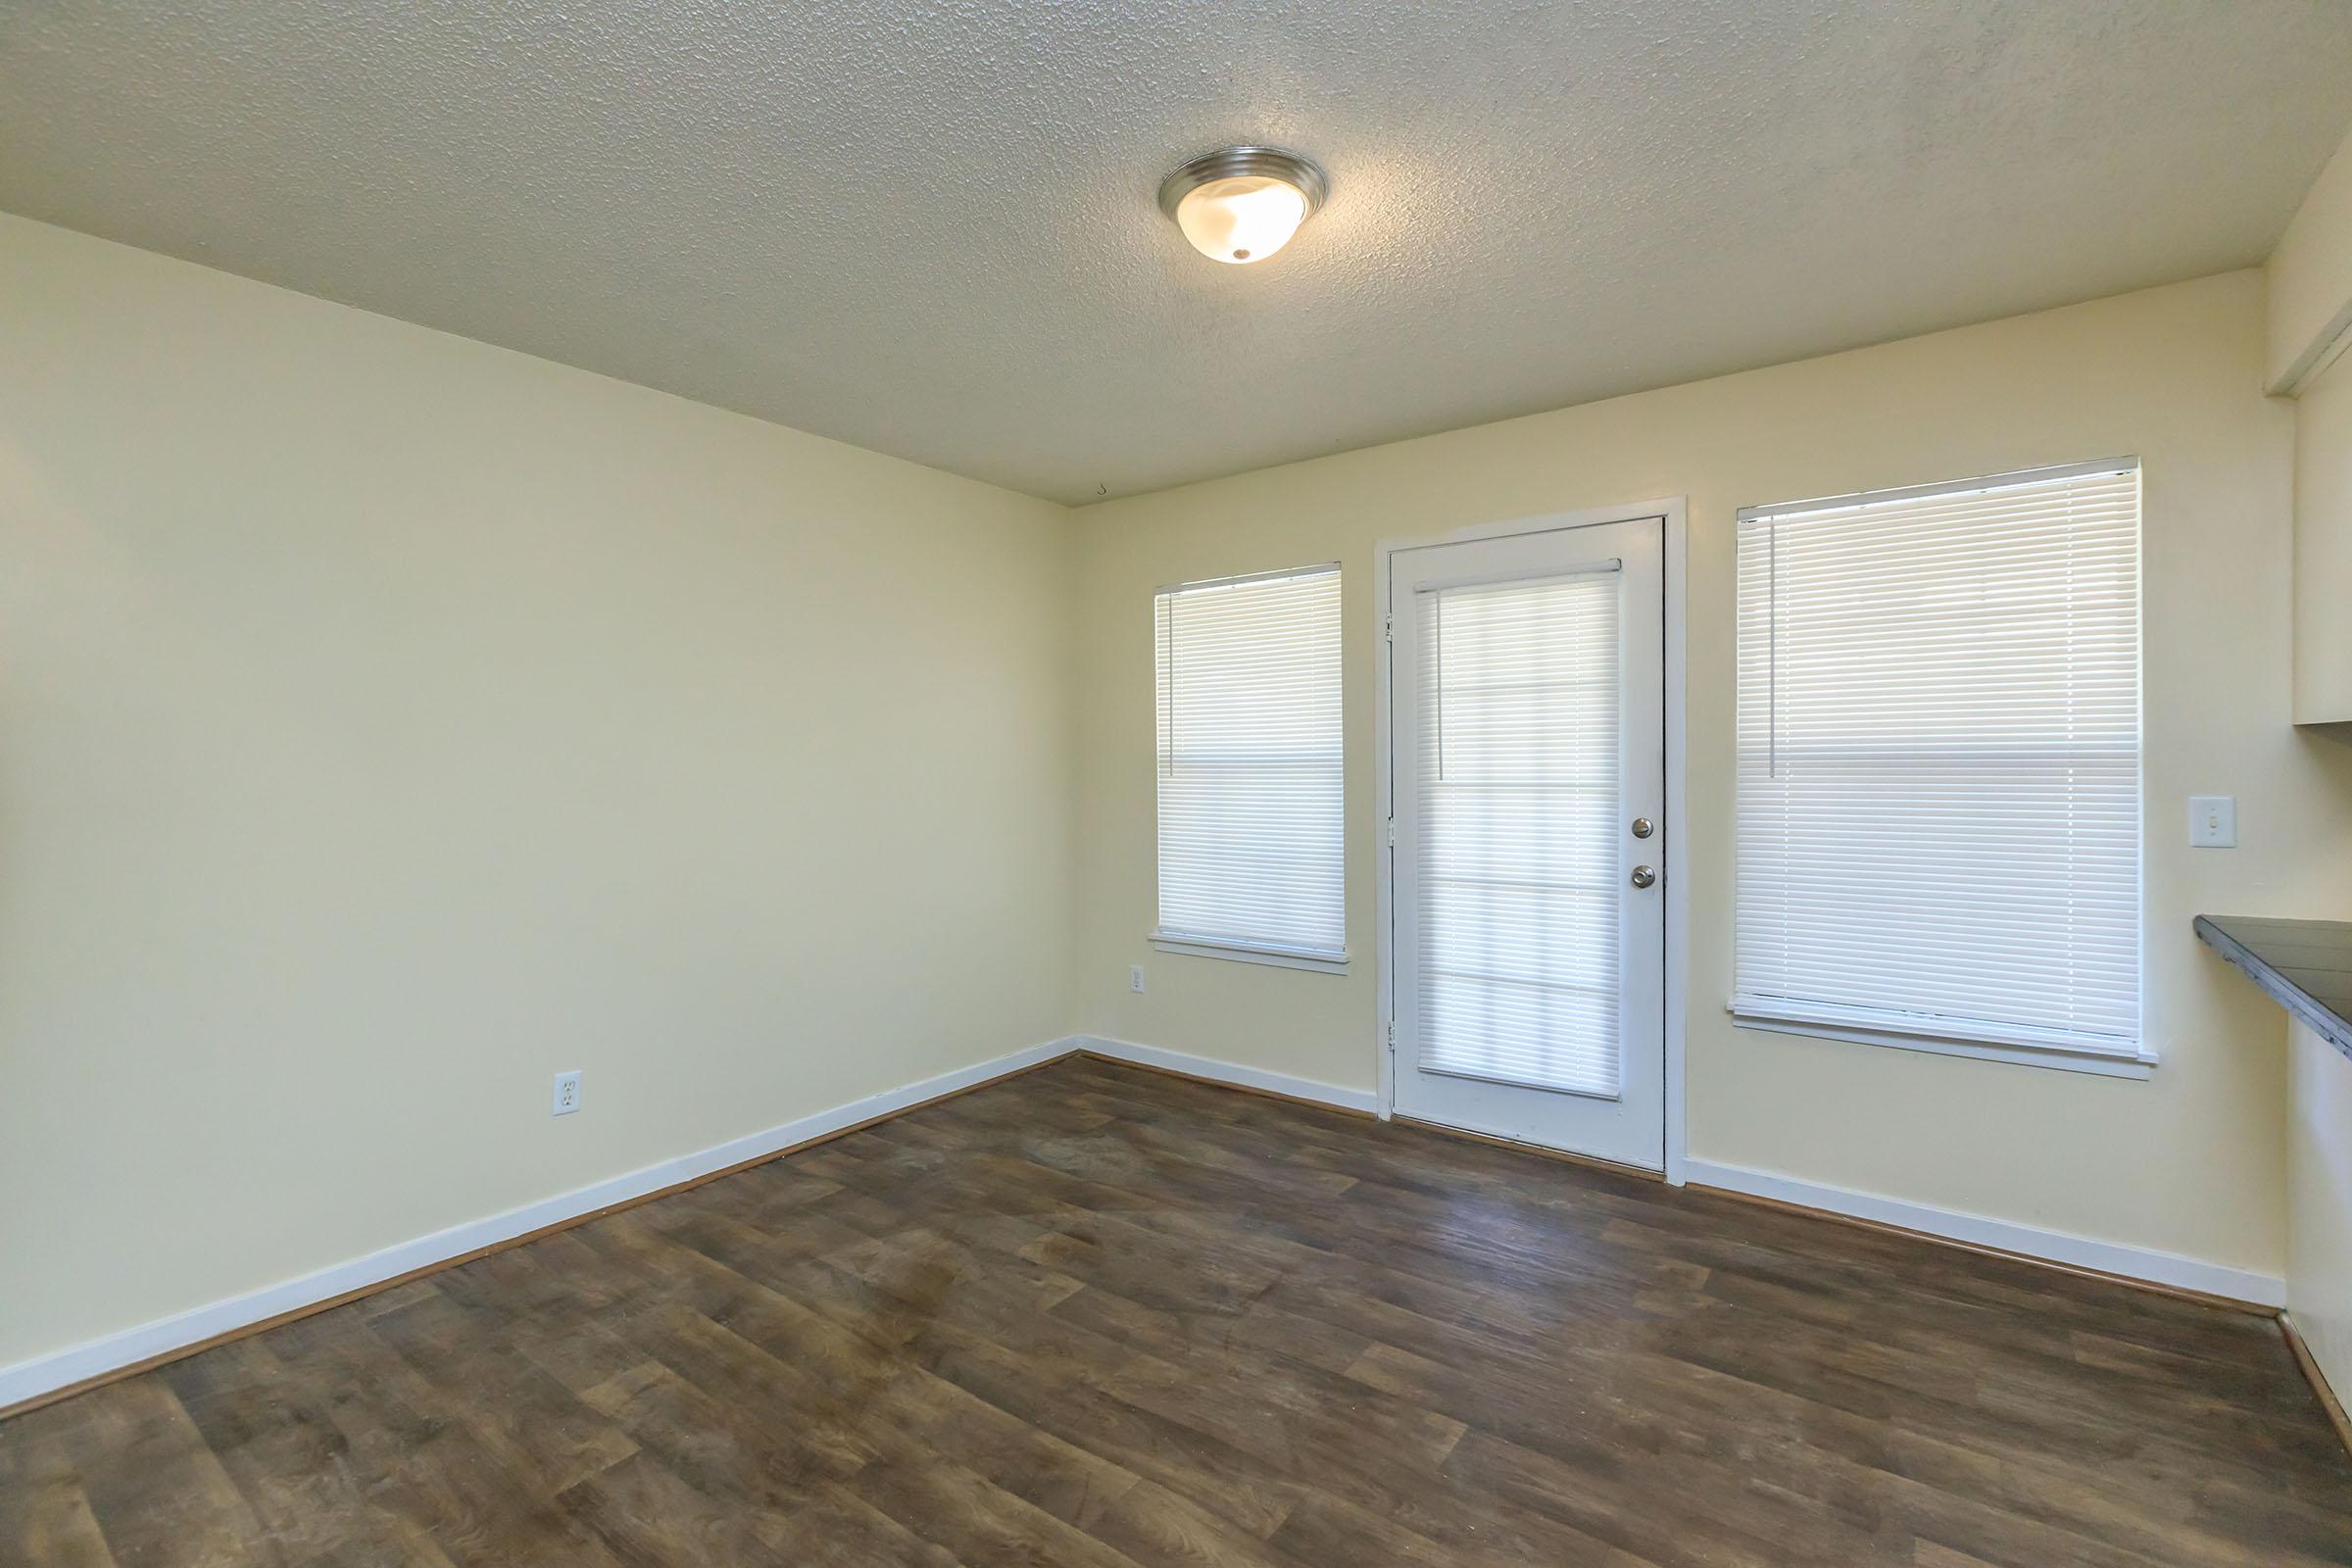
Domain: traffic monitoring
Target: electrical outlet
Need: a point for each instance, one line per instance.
(567, 1092)
(1135, 978)
(2213, 821)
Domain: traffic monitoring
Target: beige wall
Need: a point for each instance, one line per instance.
(2189, 1161)
(2319, 1163)
(392, 720)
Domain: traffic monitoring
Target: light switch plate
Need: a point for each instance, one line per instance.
(2213, 821)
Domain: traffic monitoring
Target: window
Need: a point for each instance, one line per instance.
(1938, 767)
(1518, 809)
(1250, 836)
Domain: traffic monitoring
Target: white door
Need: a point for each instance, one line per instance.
(1527, 793)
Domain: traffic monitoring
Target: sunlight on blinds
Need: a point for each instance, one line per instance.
(1518, 785)
(1938, 761)
(1251, 845)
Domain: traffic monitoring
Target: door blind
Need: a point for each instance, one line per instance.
(1938, 761)
(1518, 779)
(1251, 831)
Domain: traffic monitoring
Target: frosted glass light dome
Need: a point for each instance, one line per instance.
(1246, 218)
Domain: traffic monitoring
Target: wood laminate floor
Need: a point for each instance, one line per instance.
(1096, 1316)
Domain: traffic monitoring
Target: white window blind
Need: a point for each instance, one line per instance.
(1251, 831)
(1939, 763)
(1518, 812)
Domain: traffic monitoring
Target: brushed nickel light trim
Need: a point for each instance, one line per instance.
(1292, 169)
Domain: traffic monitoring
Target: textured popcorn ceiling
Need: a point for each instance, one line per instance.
(927, 226)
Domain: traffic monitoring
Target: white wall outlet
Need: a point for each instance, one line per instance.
(567, 1092)
(2213, 821)
(1135, 978)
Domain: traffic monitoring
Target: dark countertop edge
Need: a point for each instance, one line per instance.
(2325, 1022)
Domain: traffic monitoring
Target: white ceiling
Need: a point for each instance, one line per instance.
(928, 227)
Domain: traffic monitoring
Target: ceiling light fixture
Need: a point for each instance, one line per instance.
(1242, 204)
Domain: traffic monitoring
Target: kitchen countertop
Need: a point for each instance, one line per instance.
(2306, 966)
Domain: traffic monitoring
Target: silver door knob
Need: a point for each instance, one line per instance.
(1644, 876)
(1643, 827)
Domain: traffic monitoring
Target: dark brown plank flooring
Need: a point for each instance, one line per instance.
(1097, 1316)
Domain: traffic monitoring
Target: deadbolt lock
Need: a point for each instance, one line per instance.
(1643, 827)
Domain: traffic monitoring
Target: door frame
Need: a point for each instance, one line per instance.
(1673, 515)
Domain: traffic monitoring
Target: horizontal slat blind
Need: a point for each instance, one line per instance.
(1518, 783)
(1250, 764)
(1938, 761)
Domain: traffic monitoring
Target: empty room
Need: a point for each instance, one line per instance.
(1259, 783)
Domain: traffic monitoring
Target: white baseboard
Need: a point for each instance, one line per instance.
(1229, 1072)
(32, 1379)
(1976, 1230)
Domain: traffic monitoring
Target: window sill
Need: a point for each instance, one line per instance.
(1309, 959)
(2101, 1063)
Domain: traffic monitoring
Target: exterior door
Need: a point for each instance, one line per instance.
(1528, 740)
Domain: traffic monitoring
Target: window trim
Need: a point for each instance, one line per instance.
(2048, 474)
(1313, 568)
(1318, 960)
(2132, 1062)
(2065, 1059)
